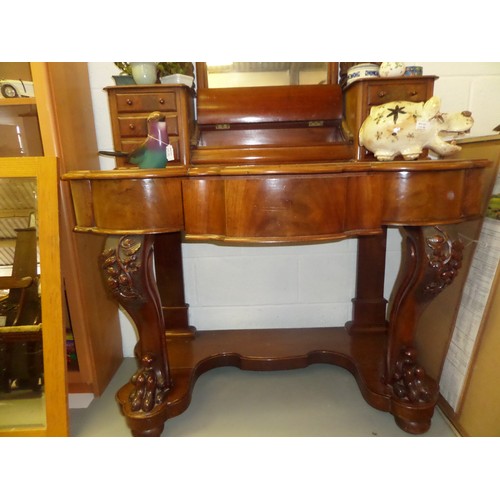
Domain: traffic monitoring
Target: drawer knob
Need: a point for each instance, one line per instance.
(413, 93)
(161, 100)
(382, 93)
(131, 126)
(129, 102)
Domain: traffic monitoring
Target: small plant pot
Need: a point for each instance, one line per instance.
(178, 78)
(123, 80)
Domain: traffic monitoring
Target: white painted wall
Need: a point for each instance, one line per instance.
(303, 285)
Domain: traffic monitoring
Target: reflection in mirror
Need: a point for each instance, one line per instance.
(22, 398)
(32, 373)
(19, 127)
(19, 131)
(257, 74)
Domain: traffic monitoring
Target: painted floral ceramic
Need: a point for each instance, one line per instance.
(406, 128)
(388, 69)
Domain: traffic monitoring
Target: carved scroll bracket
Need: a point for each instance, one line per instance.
(431, 261)
(127, 266)
(119, 265)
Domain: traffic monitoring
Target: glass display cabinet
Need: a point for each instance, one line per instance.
(46, 110)
(33, 397)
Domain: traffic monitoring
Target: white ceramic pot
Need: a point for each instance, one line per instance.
(144, 73)
(364, 70)
(388, 69)
(177, 78)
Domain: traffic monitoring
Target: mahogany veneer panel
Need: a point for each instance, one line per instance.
(279, 208)
(269, 104)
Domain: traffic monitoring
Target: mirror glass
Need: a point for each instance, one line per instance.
(255, 74)
(22, 395)
(19, 127)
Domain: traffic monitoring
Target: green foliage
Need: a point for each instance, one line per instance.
(124, 68)
(172, 68)
(163, 68)
(493, 210)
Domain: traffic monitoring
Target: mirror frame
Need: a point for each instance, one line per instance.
(45, 170)
(202, 74)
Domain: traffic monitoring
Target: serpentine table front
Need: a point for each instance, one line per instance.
(146, 213)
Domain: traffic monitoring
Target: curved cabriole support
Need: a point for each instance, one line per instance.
(127, 266)
(431, 260)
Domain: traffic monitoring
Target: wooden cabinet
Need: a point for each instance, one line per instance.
(235, 188)
(130, 106)
(285, 204)
(58, 121)
(361, 95)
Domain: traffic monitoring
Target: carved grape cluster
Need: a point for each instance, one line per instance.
(445, 258)
(409, 378)
(150, 386)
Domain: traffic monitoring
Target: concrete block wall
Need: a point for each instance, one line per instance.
(299, 285)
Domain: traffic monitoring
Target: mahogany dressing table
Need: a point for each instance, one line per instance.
(275, 179)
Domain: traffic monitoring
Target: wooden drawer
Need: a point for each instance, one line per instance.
(408, 91)
(130, 106)
(160, 101)
(136, 126)
(131, 144)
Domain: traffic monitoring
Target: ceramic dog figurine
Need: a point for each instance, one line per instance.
(406, 128)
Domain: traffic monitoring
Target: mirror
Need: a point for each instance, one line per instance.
(19, 128)
(256, 74)
(33, 397)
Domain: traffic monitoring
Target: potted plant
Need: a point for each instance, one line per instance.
(176, 72)
(143, 73)
(166, 72)
(125, 76)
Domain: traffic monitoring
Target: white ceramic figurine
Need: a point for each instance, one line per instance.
(406, 128)
(392, 69)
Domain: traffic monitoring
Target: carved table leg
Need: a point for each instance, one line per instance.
(431, 261)
(127, 266)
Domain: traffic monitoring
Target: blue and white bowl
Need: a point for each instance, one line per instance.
(365, 70)
(413, 71)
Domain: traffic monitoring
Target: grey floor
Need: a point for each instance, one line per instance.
(318, 401)
(22, 408)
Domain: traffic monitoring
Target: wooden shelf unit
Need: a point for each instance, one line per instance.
(18, 101)
(67, 130)
(130, 106)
